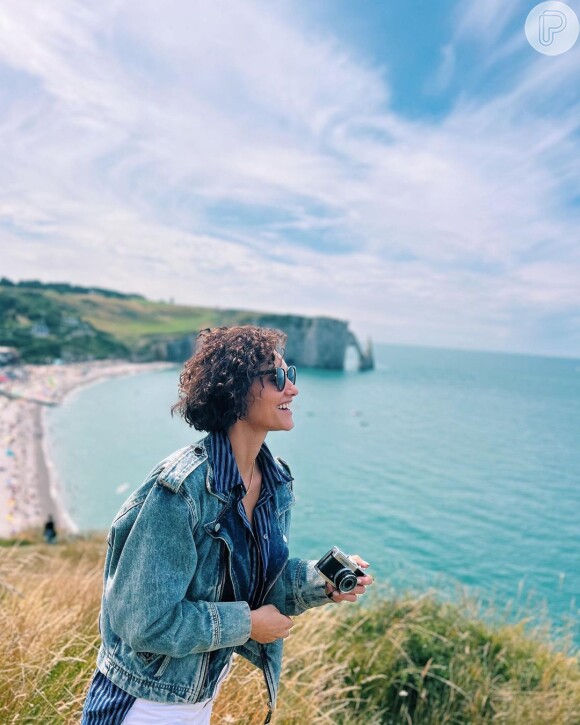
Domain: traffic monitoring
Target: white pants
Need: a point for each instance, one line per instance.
(146, 712)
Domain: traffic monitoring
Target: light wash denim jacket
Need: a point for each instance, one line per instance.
(165, 633)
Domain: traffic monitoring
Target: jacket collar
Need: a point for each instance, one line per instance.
(186, 460)
(225, 475)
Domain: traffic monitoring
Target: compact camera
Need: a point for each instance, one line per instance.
(339, 570)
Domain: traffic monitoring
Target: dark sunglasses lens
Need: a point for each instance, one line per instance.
(291, 374)
(280, 378)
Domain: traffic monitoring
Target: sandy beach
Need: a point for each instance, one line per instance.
(29, 489)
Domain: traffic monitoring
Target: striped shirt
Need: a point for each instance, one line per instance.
(106, 704)
(259, 534)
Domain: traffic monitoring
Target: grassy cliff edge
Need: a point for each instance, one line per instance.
(400, 660)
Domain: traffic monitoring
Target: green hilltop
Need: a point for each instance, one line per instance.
(47, 321)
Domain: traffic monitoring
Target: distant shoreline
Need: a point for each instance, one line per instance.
(29, 488)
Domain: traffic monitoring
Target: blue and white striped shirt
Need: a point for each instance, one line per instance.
(105, 704)
(258, 536)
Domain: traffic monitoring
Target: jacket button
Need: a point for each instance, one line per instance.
(198, 450)
(217, 527)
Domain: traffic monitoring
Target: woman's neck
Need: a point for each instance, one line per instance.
(246, 444)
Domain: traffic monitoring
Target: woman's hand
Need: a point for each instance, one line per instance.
(363, 582)
(269, 624)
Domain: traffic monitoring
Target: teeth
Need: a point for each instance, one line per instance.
(283, 407)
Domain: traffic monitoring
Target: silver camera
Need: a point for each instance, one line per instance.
(340, 571)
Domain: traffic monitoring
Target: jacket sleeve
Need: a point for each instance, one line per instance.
(151, 567)
(304, 587)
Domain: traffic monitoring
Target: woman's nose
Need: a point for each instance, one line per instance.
(291, 388)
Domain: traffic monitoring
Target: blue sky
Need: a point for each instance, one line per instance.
(413, 168)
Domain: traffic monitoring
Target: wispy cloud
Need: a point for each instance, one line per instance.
(226, 154)
(486, 22)
(441, 78)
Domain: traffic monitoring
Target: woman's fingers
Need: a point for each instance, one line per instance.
(359, 560)
(338, 597)
(363, 582)
(353, 595)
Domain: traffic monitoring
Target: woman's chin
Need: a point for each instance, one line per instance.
(286, 425)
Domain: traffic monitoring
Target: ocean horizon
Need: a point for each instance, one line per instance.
(444, 468)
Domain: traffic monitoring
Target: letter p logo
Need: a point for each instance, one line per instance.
(552, 28)
(551, 22)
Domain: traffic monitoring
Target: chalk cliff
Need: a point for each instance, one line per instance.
(316, 342)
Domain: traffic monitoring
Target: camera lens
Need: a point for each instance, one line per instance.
(345, 581)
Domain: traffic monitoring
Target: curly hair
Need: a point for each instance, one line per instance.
(215, 381)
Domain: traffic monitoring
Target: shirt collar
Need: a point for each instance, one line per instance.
(226, 474)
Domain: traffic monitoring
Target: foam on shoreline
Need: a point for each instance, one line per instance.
(51, 481)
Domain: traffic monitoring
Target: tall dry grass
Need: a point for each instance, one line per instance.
(49, 600)
(399, 660)
(49, 604)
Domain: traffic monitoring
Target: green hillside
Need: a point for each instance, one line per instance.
(60, 321)
(133, 319)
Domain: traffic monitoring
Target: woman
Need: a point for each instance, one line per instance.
(197, 564)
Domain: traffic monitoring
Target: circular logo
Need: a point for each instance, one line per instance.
(552, 28)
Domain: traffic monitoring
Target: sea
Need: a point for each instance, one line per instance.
(447, 470)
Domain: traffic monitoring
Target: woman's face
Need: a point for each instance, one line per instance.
(270, 408)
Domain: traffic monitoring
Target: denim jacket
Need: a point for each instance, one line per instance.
(166, 633)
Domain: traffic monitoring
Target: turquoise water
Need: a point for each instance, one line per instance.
(439, 467)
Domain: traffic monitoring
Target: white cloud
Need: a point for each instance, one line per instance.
(443, 75)
(141, 126)
(485, 22)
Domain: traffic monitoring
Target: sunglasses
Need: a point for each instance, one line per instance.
(280, 374)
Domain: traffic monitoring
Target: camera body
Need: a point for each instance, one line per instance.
(339, 571)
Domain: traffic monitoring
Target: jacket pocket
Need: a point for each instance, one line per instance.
(151, 658)
(163, 666)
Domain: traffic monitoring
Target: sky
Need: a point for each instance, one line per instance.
(412, 168)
